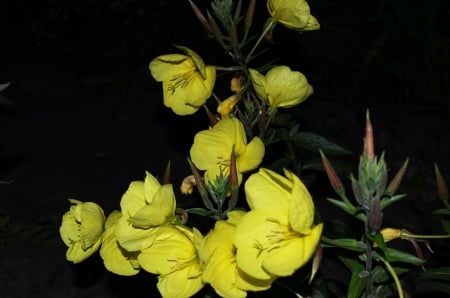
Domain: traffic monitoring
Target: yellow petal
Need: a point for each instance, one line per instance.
(151, 187)
(254, 237)
(293, 14)
(170, 250)
(131, 238)
(159, 211)
(181, 283)
(69, 229)
(165, 67)
(268, 190)
(252, 157)
(287, 88)
(292, 253)
(133, 199)
(259, 83)
(92, 220)
(76, 254)
(301, 209)
(115, 258)
(198, 61)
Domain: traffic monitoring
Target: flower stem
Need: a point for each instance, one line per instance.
(270, 25)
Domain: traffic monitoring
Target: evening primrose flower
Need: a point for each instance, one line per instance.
(219, 255)
(145, 205)
(277, 236)
(173, 257)
(281, 87)
(294, 14)
(187, 81)
(81, 230)
(212, 149)
(115, 258)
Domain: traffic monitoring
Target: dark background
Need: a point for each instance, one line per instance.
(85, 117)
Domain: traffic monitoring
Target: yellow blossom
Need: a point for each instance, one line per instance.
(187, 81)
(145, 205)
(219, 255)
(212, 149)
(277, 236)
(294, 14)
(281, 87)
(173, 256)
(115, 258)
(81, 230)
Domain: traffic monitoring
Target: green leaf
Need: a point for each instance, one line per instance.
(313, 142)
(317, 164)
(442, 212)
(200, 211)
(341, 204)
(394, 255)
(442, 273)
(386, 201)
(357, 283)
(347, 243)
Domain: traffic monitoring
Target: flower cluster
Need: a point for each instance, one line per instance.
(251, 245)
(245, 252)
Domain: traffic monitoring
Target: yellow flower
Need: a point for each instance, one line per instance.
(219, 255)
(294, 14)
(212, 149)
(173, 256)
(281, 87)
(277, 236)
(81, 230)
(187, 82)
(145, 205)
(115, 258)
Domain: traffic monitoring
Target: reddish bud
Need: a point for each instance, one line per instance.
(369, 149)
(393, 186)
(233, 181)
(331, 173)
(166, 176)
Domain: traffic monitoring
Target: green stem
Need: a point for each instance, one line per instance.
(269, 27)
(394, 276)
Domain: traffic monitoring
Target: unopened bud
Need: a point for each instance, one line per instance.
(187, 186)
